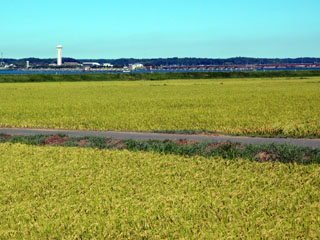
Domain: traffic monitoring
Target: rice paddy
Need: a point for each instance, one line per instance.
(81, 193)
(277, 106)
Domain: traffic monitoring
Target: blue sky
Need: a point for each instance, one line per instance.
(160, 28)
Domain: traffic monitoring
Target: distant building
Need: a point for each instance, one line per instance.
(10, 66)
(91, 64)
(87, 68)
(59, 57)
(136, 66)
(71, 64)
(109, 65)
(149, 67)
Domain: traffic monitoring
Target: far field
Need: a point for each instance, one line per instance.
(277, 106)
(80, 193)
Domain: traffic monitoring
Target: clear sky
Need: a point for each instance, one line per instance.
(160, 28)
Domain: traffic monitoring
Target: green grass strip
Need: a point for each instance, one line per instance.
(262, 153)
(7, 78)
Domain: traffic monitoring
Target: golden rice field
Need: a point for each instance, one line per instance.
(82, 193)
(278, 106)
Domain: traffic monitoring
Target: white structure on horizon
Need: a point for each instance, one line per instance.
(91, 64)
(136, 66)
(59, 59)
(108, 65)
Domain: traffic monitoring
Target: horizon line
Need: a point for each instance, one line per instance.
(221, 58)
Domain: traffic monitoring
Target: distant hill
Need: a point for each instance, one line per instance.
(169, 61)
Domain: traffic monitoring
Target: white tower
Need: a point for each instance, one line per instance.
(59, 59)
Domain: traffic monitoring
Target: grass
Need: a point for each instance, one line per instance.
(270, 107)
(226, 150)
(83, 193)
(212, 133)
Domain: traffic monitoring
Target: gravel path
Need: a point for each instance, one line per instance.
(313, 143)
